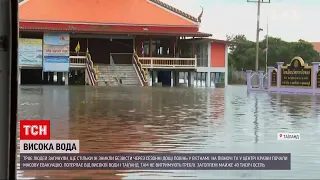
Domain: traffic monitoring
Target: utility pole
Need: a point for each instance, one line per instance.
(258, 29)
(267, 44)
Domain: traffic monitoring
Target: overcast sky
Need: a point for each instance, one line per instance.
(290, 20)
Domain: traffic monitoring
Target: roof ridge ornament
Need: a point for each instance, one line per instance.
(201, 14)
(175, 10)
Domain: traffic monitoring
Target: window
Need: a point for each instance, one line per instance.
(161, 48)
(145, 50)
(202, 55)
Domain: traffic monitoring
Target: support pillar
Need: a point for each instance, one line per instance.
(149, 78)
(226, 76)
(59, 77)
(208, 79)
(172, 78)
(51, 76)
(314, 76)
(176, 78)
(185, 80)
(191, 79)
(19, 76)
(86, 77)
(66, 78)
(45, 77)
(154, 76)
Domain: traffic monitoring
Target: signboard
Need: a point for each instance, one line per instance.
(30, 52)
(56, 64)
(296, 74)
(274, 78)
(56, 52)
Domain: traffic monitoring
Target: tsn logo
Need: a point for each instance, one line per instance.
(34, 129)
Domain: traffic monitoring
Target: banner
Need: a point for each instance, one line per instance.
(56, 52)
(56, 64)
(30, 51)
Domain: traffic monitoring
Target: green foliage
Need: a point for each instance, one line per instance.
(242, 54)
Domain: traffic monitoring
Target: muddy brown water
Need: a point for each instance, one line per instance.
(137, 119)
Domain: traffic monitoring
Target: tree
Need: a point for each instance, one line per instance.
(242, 52)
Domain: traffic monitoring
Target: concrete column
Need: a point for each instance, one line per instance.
(66, 78)
(45, 77)
(149, 78)
(208, 82)
(51, 76)
(176, 78)
(154, 76)
(86, 77)
(314, 76)
(226, 66)
(185, 77)
(19, 76)
(59, 77)
(172, 78)
(191, 79)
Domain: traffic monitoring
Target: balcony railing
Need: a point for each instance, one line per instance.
(168, 63)
(78, 61)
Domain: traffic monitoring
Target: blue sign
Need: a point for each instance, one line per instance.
(56, 52)
(56, 64)
(30, 51)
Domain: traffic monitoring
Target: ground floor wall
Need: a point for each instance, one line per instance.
(209, 77)
(101, 48)
(36, 76)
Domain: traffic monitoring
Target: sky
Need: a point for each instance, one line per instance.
(289, 20)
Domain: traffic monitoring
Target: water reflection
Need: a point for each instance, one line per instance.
(112, 119)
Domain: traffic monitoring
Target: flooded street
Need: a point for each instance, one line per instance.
(146, 119)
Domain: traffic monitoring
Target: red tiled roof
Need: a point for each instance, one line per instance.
(126, 12)
(316, 46)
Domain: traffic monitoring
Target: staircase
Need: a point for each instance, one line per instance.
(124, 75)
(128, 75)
(106, 76)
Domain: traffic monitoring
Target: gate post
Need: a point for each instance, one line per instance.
(249, 79)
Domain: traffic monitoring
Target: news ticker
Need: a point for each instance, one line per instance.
(152, 161)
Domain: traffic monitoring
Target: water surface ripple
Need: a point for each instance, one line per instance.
(120, 119)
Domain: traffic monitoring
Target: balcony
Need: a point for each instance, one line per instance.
(78, 61)
(168, 63)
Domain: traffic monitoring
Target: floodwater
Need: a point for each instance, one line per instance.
(113, 119)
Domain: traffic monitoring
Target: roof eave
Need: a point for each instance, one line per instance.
(209, 40)
(184, 34)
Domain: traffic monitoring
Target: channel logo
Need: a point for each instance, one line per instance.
(35, 138)
(288, 136)
(34, 129)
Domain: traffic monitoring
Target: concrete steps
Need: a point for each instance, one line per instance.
(126, 72)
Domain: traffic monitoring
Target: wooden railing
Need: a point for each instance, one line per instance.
(168, 63)
(142, 73)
